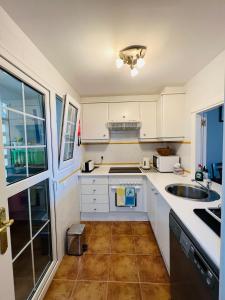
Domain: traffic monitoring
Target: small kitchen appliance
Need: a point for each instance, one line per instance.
(146, 163)
(88, 166)
(165, 164)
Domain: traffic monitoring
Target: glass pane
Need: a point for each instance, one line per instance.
(15, 164)
(10, 91)
(34, 102)
(39, 200)
(42, 251)
(37, 160)
(59, 117)
(68, 151)
(23, 275)
(35, 131)
(13, 128)
(70, 132)
(20, 230)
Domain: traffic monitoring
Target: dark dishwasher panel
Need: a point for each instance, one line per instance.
(192, 277)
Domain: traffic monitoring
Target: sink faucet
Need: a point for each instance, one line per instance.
(208, 184)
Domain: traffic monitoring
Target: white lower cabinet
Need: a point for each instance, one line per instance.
(94, 194)
(158, 214)
(162, 231)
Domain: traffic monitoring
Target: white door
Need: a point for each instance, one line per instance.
(148, 120)
(26, 186)
(94, 121)
(124, 111)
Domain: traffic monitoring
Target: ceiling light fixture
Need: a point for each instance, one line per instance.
(132, 56)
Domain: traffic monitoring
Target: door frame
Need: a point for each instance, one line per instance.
(15, 188)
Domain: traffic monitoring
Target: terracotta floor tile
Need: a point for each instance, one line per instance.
(146, 245)
(119, 228)
(152, 269)
(88, 227)
(141, 228)
(101, 228)
(68, 268)
(60, 290)
(155, 291)
(123, 268)
(99, 244)
(122, 244)
(87, 290)
(94, 267)
(123, 291)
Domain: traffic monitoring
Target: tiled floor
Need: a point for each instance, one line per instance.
(123, 262)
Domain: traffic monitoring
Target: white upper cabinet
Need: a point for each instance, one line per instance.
(94, 122)
(171, 116)
(124, 111)
(148, 120)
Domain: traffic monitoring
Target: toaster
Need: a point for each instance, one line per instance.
(88, 166)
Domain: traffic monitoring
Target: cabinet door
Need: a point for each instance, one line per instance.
(173, 112)
(124, 111)
(153, 208)
(94, 121)
(148, 120)
(162, 235)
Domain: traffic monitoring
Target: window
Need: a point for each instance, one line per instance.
(59, 118)
(30, 237)
(69, 131)
(23, 128)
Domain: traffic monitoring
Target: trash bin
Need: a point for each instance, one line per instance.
(76, 240)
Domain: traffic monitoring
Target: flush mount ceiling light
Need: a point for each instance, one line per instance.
(132, 56)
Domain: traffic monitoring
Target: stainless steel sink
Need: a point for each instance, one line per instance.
(192, 192)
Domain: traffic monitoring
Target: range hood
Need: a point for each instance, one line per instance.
(124, 125)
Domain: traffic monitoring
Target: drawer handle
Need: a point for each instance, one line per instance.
(95, 209)
(93, 180)
(153, 190)
(94, 199)
(156, 193)
(94, 190)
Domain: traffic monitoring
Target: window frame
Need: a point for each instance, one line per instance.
(68, 100)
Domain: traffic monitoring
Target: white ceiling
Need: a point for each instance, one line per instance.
(82, 38)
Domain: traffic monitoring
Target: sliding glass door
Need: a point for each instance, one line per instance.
(26, 182)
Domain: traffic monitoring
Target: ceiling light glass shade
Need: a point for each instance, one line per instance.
(140, 62)
(133, 72)
(119, 63)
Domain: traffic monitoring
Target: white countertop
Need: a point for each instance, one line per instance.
(206, 238)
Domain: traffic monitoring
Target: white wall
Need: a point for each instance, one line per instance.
(19, 50)
(205, 90)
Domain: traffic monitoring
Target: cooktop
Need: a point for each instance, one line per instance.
(124, 170)
(210, 216)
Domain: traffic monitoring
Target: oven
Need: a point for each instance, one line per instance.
(126, 184)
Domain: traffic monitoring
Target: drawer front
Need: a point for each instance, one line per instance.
(88, 207)
(94, 180)
(95, 199)
(94, 189)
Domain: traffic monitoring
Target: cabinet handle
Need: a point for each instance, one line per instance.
(144, 134)
(94, 191)
(94, 199)
(124, 117)
(95, 209)
(104, 135)
(156, 193)
(93, 180)
(153, 190)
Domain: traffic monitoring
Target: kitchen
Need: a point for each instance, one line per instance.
(83, 123)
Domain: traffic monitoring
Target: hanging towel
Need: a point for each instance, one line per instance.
(130, 197)
(120, 196)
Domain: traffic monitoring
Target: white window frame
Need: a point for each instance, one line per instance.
(68, 100)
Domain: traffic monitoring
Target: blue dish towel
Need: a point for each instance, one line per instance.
(130, 197)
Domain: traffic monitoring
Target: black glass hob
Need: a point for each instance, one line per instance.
(124, 170)
(211, 217)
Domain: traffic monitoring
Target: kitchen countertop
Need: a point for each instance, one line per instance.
(206, 238)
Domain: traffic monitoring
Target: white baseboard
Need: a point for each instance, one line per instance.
(114, 216)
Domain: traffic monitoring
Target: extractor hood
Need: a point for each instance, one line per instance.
(123, 125)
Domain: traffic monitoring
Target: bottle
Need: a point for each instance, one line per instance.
(199, 176)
